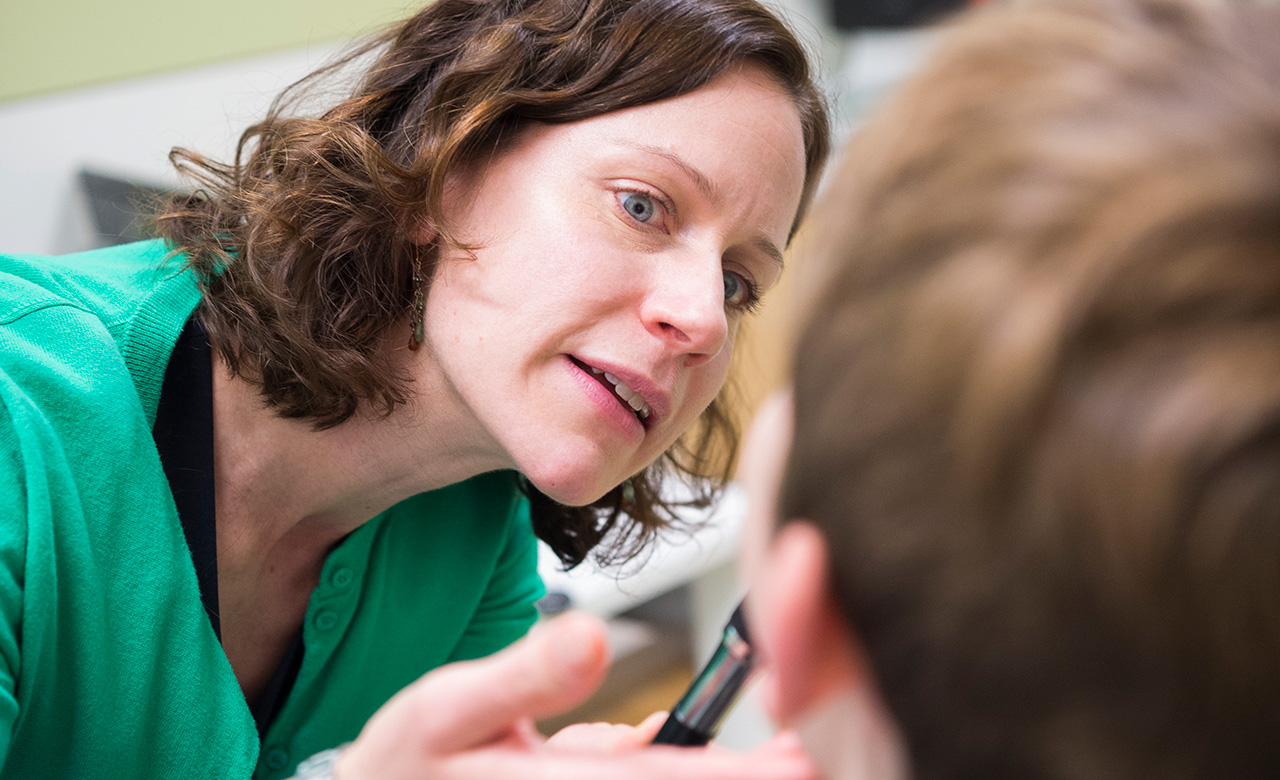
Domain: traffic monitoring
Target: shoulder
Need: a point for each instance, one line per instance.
(126, 302)
(72, 405)
(467, 527)
(111, 283)
(13, 493)
(495, 495)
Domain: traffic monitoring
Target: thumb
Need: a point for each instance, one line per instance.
(557, 666)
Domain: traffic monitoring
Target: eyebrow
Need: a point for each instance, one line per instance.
(707, 188)
(774, 253)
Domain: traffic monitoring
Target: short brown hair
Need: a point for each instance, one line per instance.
(1038, 403)
(307, 243)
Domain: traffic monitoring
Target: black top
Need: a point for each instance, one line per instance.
(184, 436)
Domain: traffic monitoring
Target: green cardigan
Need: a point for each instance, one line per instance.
(109, 667)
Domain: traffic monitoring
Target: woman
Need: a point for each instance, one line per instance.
(521, 246)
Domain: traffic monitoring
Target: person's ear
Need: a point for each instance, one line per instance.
(809, 647)
(422, 231)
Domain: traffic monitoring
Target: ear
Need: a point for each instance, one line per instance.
(809, 647)
(422, 231)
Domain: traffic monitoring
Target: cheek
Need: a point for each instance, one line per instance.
(704, 383)
(708, 379)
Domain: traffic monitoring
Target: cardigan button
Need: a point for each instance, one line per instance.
(326, 620)
(341, 578)
(276, 759)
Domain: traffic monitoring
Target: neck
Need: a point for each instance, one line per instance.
(282, 485)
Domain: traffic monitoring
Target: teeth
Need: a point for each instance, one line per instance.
(633, 399)
(624, 392)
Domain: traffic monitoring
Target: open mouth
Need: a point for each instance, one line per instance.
(628, 397)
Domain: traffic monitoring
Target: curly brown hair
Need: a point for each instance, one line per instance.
(307, 244)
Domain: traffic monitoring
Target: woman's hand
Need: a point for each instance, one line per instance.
(474, 721)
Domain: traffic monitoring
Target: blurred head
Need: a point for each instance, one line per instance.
(314, 243)
(1037, 408)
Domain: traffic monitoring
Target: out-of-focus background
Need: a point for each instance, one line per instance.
(93, 96)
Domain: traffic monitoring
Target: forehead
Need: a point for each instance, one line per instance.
(736, 139)
(744, 109)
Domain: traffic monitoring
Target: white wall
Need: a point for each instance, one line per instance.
(124, 128)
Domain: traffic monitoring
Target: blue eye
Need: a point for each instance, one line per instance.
(639, 206)
(738, 293)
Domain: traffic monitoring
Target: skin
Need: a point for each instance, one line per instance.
(644, 300)
(820, 682)
(563, 271)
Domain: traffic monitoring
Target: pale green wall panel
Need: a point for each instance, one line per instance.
(62, 44)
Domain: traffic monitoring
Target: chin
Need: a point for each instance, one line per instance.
(572, 475)
(569, 493)
(571, 487)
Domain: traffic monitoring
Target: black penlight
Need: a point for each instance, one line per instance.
(697, 717)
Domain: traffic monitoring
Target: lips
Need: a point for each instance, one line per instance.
(620, 389)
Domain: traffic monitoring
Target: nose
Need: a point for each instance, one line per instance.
(685, 308)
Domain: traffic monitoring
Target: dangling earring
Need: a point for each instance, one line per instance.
(416, 334)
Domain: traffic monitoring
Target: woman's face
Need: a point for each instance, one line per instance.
(615, 258)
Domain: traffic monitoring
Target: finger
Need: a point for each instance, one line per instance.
(525, 734)
(595, 738)
(551, 670)
(650, 726)
(667, 763)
